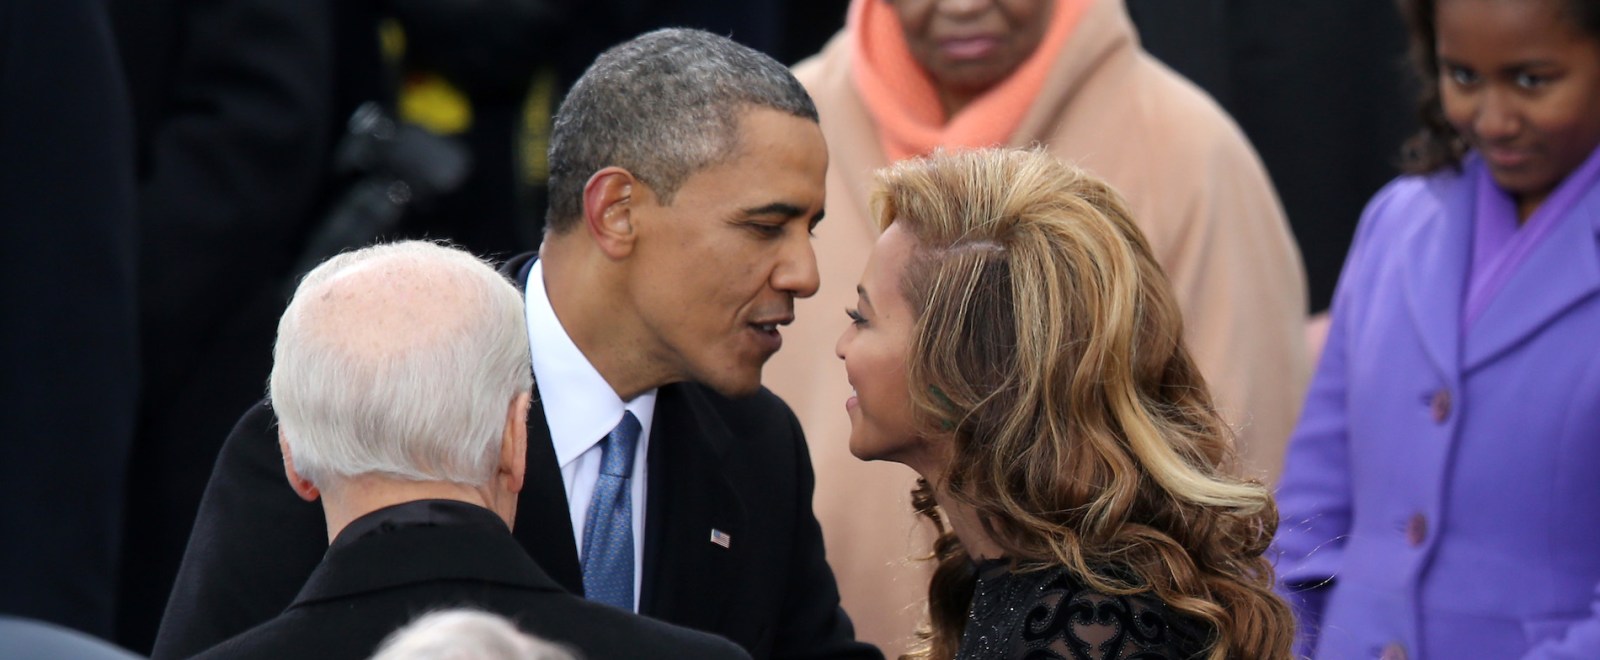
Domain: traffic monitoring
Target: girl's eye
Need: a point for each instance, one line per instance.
(1530, 81)
(1461, 76)
(855, 317)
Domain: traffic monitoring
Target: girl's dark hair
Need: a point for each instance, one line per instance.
(1437, 145)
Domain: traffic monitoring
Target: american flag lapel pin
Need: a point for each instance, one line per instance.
(720, 537)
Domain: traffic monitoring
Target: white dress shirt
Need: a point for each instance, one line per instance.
(581, 408)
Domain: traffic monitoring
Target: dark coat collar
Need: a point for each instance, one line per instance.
(417, 554)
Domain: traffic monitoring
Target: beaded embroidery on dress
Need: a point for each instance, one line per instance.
(1050, 614)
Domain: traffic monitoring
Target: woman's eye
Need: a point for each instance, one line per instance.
(855, 317)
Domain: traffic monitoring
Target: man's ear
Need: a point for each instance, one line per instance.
(610, 199)
(301, 485)
(514, 445)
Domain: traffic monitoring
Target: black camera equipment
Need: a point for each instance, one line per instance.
(396, 165)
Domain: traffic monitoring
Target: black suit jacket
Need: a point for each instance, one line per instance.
(739, 466)
(364, 590)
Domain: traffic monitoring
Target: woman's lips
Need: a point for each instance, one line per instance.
(969, 48)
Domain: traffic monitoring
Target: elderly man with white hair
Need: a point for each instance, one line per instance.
(401, 383)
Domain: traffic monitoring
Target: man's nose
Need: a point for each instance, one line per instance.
(797, 272)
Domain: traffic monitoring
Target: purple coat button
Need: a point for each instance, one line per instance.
(1439, 406)
(1416, 530)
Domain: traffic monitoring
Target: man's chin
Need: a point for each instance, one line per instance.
(734, 385)
(735, 390)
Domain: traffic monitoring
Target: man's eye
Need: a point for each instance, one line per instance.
(770, 231)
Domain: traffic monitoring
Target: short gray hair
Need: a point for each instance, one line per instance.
(661, 106)
(400, 360)
(466, 635)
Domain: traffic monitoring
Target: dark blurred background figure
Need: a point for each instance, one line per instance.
(234, 117)
(67, 330)
(1321, 89)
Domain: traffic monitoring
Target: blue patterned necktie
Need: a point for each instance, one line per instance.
(608, 530)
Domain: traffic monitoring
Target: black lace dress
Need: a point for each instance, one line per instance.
(1049, 614)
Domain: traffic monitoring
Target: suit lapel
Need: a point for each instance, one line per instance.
(544, 522)
(1436, 273)
(1562, 271)
(687, 577)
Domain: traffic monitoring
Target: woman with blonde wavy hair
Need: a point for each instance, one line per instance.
(1018, 346)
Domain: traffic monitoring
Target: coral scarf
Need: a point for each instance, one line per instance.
(904, 102)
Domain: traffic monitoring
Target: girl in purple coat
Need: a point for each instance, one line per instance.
(1442, 492)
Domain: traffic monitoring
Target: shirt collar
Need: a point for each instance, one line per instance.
(583, 408)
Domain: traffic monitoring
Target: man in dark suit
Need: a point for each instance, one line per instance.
(402, 391)
(687, 173)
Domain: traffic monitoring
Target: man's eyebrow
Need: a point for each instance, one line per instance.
(783, 209)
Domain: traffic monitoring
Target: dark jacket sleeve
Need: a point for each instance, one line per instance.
(253, 546)
(812, 624)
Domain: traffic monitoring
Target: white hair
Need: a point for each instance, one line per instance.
(467, 635)
(400, 360)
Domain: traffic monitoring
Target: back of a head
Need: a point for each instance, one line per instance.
(466, 635)
(1048, 348)
(400, 360)
(662, 106)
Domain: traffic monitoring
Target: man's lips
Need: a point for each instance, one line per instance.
(766, 332)
(771, 323)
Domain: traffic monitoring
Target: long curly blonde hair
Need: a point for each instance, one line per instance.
(1048, 350)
